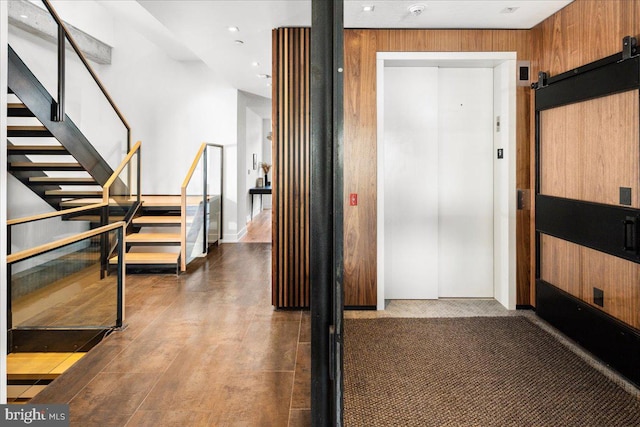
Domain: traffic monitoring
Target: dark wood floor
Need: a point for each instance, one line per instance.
(205, 348)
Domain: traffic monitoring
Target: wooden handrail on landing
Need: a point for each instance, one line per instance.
(54, 214)
(114, 175)
(28, 253)
(183, 206)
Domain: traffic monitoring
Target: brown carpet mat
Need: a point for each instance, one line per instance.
(491, 371)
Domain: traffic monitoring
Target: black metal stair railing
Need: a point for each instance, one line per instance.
(63, 35)
(92, 143)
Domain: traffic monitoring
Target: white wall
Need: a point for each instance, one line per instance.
(267, 157)
(505, 170)
(253, 143)
(172, 107)
(87, 16)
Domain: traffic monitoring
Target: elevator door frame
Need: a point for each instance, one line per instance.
(504, 65)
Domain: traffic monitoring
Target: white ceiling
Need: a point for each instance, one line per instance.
(200, 26)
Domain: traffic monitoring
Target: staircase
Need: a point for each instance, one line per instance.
(154, 243)
(29, 373)
(53, 158)
(60, 165)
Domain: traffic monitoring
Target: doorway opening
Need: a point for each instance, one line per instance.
(446, 175)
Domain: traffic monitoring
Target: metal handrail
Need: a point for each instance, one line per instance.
(76, 48)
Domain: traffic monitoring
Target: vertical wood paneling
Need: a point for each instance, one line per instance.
(290, 134)
(360, 129)
(523, 174)
(360, 158)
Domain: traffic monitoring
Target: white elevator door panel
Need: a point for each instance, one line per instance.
(411, 182)
(465, 182)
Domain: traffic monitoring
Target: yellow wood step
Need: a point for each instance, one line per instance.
(148, 258)
(39, 366)
(156, 220)
(74, 193)
(153, 238)
(23, 392)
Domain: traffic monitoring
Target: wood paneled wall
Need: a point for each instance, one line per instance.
(360, 129)
(582, 32)
(290, 136)
(577, 158)
(577, 270)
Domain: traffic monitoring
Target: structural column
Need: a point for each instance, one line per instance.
(326, 212)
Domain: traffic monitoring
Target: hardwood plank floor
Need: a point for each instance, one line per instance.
(259, 229)
(205, 348)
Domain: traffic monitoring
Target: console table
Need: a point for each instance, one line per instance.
(260, 191)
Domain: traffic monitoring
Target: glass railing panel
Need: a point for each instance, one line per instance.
(67, 287)
(92, 113)
(195, 213)
(123, 187)
(85, 103)
(214, 194)
(30, 234)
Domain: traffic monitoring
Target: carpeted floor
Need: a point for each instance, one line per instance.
(492, 371)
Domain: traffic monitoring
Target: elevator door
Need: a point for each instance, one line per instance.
(438, 182)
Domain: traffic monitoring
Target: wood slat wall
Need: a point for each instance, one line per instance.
(290, 136)
(360, 129)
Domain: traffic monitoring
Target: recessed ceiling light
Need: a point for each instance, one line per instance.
(233, 29)
(23, 16)
(509, 9)
(417, 9)
(264, 76)
(255, 64)
(368, 8)
(238, 42)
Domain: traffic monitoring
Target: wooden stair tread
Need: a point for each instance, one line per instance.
(16, 105)
(39, 366)
(157, 220)
(148, 258)
(88, 201)
(46, 165)
(93, 218)
(36, 149)
(153, 237)
(73, 193)
(26, 128)
(49, 180)
(25, 392)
